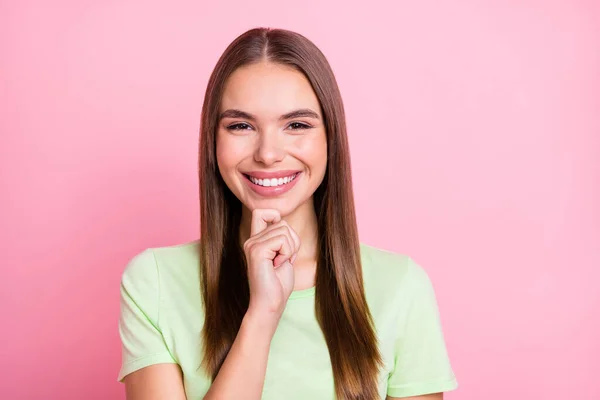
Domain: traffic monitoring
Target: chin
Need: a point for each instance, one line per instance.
(281, 205)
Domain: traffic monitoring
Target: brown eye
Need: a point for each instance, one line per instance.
(299, 125)
(239, 127)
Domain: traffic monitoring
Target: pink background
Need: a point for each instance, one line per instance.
(475, 139)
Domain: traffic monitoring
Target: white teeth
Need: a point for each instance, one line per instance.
(273, 181)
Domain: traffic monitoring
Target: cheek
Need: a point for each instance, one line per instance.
(313, 150)
(229, 152)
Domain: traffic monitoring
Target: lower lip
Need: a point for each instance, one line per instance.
(272, 191)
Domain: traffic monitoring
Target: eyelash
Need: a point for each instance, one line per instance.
(236, 127)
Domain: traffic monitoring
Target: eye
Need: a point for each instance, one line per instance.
(299, 126)
(239, 127)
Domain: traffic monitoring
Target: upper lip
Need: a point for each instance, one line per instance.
(270, 175)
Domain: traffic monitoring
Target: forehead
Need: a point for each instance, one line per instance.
(268, 89)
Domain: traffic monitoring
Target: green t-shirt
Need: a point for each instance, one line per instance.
(161, 319)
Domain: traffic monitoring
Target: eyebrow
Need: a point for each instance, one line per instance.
(302, 112)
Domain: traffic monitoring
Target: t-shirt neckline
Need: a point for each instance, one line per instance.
(296, 294)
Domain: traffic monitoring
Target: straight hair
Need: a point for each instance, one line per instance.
(340, 303)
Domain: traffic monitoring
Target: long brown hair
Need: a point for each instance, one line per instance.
(340, 304)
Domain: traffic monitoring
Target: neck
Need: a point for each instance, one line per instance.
(303, 221)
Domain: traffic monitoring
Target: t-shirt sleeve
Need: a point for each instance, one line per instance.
(142, 342)
(421, 364)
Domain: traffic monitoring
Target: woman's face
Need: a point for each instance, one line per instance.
(271, 140)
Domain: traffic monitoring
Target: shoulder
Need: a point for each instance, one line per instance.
(376, 257)
(180, 259)
(385, 271)
(389, 264)
(160, 266)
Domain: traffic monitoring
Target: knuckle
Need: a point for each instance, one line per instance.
(254, 251)
(286, 245)
(282, 240)
(280, 224)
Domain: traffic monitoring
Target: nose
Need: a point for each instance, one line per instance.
(269, 149)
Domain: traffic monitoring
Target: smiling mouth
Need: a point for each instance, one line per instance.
(273, 182)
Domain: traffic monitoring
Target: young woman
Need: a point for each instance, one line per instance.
(278, 299)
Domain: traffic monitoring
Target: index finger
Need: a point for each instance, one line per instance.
(261, 217)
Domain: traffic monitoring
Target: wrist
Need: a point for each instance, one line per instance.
(260, 321)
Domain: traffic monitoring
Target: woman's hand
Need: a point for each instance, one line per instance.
(270, 252)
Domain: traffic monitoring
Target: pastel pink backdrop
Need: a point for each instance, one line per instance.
(475, 138)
